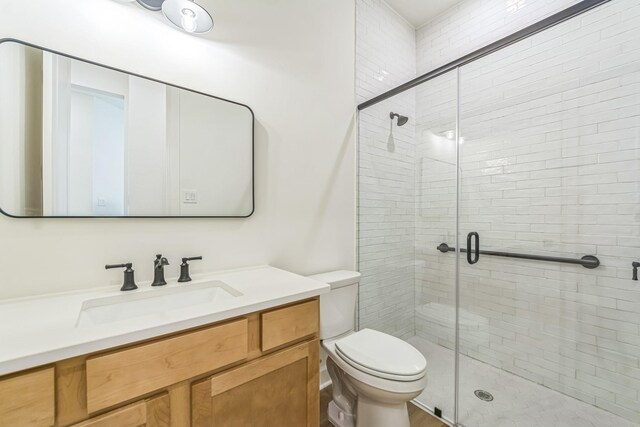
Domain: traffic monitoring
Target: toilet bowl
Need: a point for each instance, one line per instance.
(373, 374)
(380, 382)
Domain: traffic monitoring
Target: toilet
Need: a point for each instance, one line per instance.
(373, 374)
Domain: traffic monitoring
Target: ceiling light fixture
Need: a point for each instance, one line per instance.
(189, 16)
(184, 14)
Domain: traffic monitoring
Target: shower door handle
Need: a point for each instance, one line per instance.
(476, 251)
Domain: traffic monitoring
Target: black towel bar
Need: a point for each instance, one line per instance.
(587, 261)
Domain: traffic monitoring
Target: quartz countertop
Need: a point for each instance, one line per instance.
(44, 329)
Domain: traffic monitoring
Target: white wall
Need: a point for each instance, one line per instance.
(292, 62)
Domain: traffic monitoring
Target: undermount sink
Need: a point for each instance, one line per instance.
(155, 303)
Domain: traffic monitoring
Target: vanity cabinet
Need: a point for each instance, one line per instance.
(260, 369)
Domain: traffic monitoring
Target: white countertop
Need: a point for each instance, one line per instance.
(41, 330)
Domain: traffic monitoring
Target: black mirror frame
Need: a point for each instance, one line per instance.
(253, 156)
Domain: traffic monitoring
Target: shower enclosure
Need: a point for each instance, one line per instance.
(498, 228)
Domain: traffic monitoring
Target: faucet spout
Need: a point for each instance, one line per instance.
(159, 263)
(158, 270)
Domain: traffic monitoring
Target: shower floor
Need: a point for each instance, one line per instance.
(517, 402)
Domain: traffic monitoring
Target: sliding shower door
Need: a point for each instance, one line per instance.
(549, 217)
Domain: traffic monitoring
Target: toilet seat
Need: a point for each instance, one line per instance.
(381, 355)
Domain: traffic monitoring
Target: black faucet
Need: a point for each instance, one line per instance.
(129, 283)
(158, 270)
(184, 269)
(635, 265)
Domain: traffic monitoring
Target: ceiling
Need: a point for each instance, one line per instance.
(419, 12)
(232, 18)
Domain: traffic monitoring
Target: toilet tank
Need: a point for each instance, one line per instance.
(338, 307)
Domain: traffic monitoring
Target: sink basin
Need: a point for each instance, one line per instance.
(156, 304)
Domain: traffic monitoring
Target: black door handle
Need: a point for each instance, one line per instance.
(476, 251)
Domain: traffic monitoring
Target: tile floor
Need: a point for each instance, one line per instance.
(517, 402)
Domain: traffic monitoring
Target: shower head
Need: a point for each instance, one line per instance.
(402, 120)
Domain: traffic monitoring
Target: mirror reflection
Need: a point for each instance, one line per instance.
(78, 139)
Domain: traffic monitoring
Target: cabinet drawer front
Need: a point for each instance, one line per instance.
(130, 416)
(28, 400)
(288, 324)
(154, 412)
(129, 373)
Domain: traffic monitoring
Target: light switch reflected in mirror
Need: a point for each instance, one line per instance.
(82, 140)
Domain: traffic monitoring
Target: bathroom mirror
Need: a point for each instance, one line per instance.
(78, 139)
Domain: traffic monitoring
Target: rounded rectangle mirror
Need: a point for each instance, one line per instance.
(78, 139)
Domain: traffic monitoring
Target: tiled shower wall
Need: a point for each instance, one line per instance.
(385, 58)
(386, 55)
(472, 24)
(550, 165)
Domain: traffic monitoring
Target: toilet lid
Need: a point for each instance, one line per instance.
(382, 355)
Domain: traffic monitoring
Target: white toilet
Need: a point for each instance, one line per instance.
(373, 374)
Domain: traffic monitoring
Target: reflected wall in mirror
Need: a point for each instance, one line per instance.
(82, 140)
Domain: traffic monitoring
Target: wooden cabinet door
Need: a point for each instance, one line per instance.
(281, 389)
(152, 412)
(28, 400)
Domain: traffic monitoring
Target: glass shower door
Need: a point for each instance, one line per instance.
(549, 217)
(435, 222)
(406, 208)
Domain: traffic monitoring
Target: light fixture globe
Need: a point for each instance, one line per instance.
(189, 16)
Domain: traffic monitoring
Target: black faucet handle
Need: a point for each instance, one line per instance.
(184, 268)
(129, 283)
(635, 265)
(127, 266)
